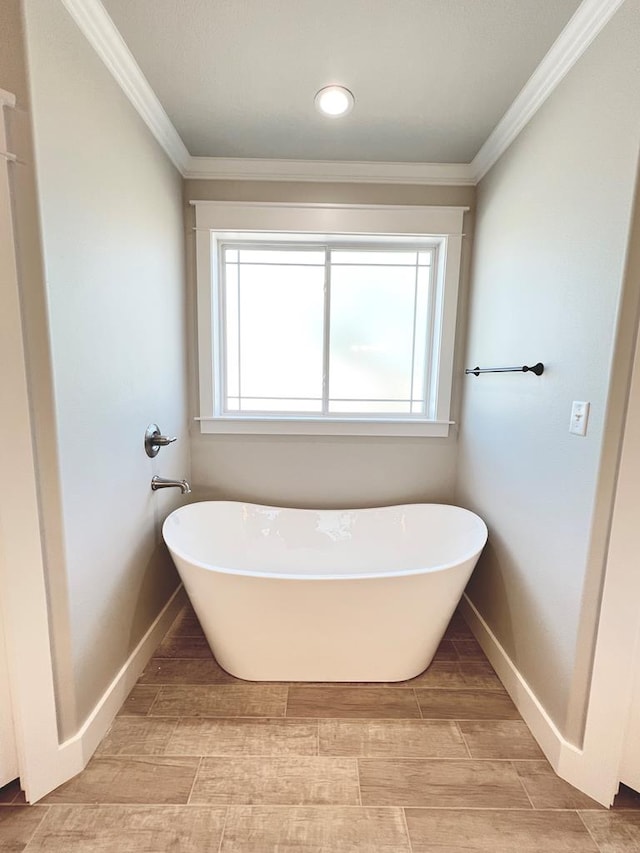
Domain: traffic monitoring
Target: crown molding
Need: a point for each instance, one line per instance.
(589, 18)
(328, 171)
(96, 25)
(100, 31)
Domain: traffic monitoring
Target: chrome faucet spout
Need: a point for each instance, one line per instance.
(163, 483)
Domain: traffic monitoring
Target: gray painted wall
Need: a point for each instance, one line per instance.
(112, 236)
(551, 235)
(14, 78)
(325, 470)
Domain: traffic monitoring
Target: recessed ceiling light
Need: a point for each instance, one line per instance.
(334, 101)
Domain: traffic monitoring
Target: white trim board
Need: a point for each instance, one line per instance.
(74, 753)
(329, 171)
(324, 217)
(23, 596)
(571, 763)
(9, 767)
(94, 22)
(9, 764)
(103, 36)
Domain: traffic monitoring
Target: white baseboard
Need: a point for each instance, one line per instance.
(567, 760)
(74, 753)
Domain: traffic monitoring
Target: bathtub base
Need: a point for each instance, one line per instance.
(372, 630)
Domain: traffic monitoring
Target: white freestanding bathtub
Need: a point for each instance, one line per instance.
(324, 595)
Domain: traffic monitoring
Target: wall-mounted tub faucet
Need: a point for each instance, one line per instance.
(154, 440)
(163, 483)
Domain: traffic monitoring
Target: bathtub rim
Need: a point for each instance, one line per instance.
(461, 560)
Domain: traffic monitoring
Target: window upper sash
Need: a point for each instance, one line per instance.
(393, 330)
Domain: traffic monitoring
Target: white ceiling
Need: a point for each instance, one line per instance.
(431, 78)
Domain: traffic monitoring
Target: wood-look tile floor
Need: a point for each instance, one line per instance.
(200, 762)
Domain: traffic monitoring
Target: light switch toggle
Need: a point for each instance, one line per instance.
(579, 417)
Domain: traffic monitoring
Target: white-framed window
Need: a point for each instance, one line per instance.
(326, 319)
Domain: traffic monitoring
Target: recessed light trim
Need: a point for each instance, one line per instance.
(334, 101)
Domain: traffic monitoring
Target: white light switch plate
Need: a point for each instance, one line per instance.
(579, 417)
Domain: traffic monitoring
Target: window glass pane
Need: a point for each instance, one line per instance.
(349, 256)
(231, 329)
(281, 256)
(231, 256)
(270, 404)
(371, 332)
(281, 320)
(421, 333)
(425, 258)
(366, 407)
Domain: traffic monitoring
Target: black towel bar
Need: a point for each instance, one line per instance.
(538, 369)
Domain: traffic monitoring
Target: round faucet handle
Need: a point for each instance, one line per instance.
(154, 440)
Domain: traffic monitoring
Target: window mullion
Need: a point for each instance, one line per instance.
(326, 342)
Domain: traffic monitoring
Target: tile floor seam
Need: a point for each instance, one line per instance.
(224, 826)
(36, 827)
(415, 699)
(322, 806)
(450, 688)
(524, 788)
(12, 801)
(349, 719)
(406, 828)
(279, 754)
(173, 731)
(591, 836)
(266, 756)
(115, 805)
(369, 685)
(464, 740)
(238, 717)
(195, 777)
(150, 708)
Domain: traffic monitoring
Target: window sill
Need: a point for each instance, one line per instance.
(323, 426)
